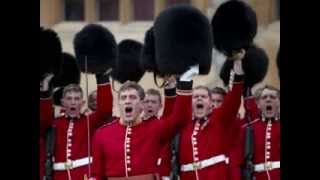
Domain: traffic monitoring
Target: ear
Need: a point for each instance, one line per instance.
(83, 102)
(62, 102)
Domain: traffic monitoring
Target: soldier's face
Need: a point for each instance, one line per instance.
(269, 103)
(201, 103)
(151, 105)
(130, 105)
(73, 102)
(92, 102)
(217, 100)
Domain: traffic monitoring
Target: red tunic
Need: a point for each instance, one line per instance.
(122, 151)
(237, 137)
(71, 140)
(45, 123)
(197, 144)
(266, 148)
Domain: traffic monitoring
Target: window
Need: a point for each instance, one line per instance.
(74, 10)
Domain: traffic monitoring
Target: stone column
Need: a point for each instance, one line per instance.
(91, 11)
(126, 11)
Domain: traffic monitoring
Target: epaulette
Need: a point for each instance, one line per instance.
(114, 120)
(250, 123)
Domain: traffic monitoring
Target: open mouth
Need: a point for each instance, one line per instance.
(128, 109)
(150, 111)
(200, 106)
(72, 108)
(269, 108)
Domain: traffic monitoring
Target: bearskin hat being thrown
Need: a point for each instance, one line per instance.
(148, 59)
(98, 44)
(128, 63)
(50, 52)
(70, 72)
(234, 26)
(255, 65)
(183, 38)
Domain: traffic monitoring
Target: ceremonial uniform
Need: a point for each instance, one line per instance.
(71, 141)
(203, 142)
(266, 151)
(164, 161)
(132, 151)
(237, 139)
(45, 123)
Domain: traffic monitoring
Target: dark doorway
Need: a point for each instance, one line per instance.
(143, 10)
(173, 2)
(109, 10)
(74, 10)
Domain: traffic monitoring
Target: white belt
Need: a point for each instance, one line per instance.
(204, 163)
(267, 166)
(165, 178)
(71, 164)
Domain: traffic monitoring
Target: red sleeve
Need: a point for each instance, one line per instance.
(250, 105)
(168, 105)
(103, 114)
(180, 116)
(98, 157)
(46, 115)
(228, 111)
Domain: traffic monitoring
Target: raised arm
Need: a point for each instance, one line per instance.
(46, 108)
(103, 114)
(170, 97)
(228, 111)
(182, 111)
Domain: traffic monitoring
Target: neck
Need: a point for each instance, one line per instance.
(135, 122)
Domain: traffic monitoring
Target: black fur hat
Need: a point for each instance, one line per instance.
(70, 72)
(183, 37)
(148, 59)
(128, 63)
(50, 52)
(99, 45)
(255, 66)
(57, 95)
(234, 26)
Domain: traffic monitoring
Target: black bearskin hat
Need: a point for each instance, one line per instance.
(128, 63)
(234, 26)
(183, 38)
(98, 44)
(69, 73)
(255, 65)
(148, 59)
(50, 52)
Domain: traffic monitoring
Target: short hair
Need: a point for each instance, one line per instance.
(259, 91)
(218, 90)
(72, 88)
(132, 85)
(92, 93)
(205, 88)
(154, 92)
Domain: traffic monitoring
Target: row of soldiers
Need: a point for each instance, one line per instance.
(199, 135)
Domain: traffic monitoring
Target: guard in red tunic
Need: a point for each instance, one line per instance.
(128, 148)
(203, 141)
(74, 130)
(266, 136)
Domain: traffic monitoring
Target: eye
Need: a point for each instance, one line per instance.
(122, 97)
(133, 97)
